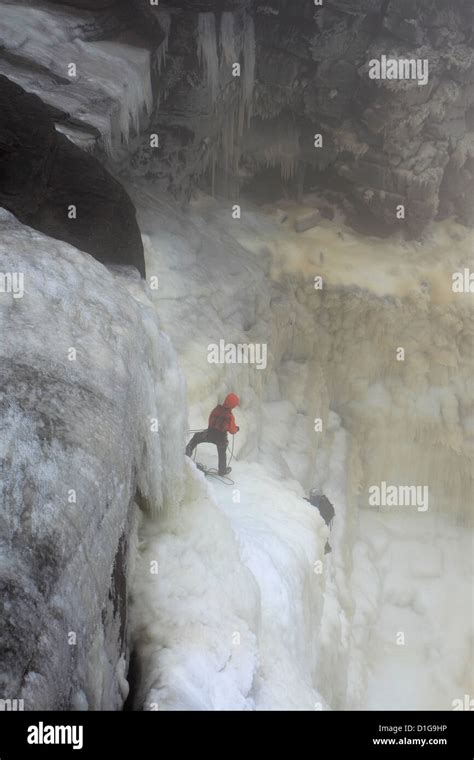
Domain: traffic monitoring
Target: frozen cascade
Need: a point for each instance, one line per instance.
(207, 51)
(237, 43)
(228, 39)
(237, 38)
(271, 630)
(165, 22)
(282, 150)
(326, 351)
(249, 50)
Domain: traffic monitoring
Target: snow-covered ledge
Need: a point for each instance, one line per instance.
(84, 372)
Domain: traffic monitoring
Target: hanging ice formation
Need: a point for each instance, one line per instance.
(228, 44)
(249, 62)
(236, 45)
(164, 19)
(118, 74)
(207, 51)
(282, 150)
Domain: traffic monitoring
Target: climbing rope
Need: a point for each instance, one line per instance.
(213, 473)
(231, 450)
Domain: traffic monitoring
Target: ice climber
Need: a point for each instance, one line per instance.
(326, 510)
(221, 422)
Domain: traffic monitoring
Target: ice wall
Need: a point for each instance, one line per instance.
(409, 419)
(423, 587)
(332, 355)
(87, 426)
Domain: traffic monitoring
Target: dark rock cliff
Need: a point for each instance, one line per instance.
(385, 142)
(42, 175)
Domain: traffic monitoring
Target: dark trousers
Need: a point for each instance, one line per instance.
(211, 436)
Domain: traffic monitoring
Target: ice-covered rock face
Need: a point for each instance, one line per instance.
(69, 57)
(86, 378)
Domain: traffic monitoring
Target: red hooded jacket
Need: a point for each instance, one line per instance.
(221, 418)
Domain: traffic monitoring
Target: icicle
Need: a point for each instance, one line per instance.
(237, 43)
(122, 74)
(228, 39)
(249, 63)
(207, 51)
(164, 19)
(284, 151)
(213, 172)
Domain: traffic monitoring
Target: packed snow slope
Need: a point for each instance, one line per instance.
(235, 605)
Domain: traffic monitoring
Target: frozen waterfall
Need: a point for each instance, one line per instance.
(279, 624)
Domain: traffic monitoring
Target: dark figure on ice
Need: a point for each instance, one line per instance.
(326, 510)
(221, 422)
